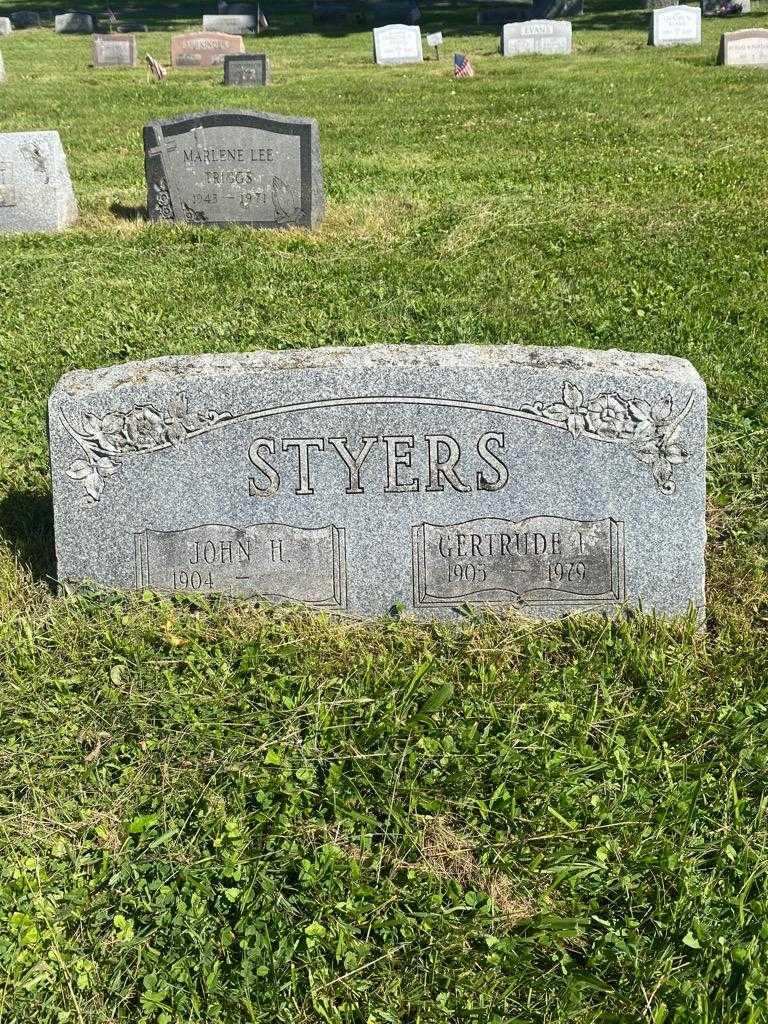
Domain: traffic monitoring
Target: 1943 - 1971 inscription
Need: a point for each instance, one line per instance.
(550, 481)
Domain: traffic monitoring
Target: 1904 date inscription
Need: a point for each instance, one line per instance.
(539, 561)
(269, 560)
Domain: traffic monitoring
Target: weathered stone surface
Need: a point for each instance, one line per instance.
(74, 22)
(25, 19)
(541, 36)
(677, 25)
(203, 49)
(35, 189)
(746, 47)
(431, 478)
(397, 44)
(247, 69)
(235, 167)
(230, 24)
(5, 26)
(114, 50)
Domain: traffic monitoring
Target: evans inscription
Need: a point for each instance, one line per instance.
(269, 560)
(542, 560)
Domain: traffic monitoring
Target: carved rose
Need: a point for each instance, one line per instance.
(572, 411)
(608, 416)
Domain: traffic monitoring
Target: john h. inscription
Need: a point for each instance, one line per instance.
(234, 167)
(549, 480)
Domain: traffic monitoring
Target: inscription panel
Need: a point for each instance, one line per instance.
(268, 560)
(203, 49)
(542, 560)
(114, 50)
(420, 477)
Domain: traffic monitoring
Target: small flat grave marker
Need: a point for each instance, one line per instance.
(246, 69)
(397, 44)
(547, 480)
(541, 35)
(35, 188)
(235, 167)
(74, 22)
(114, 50)
(678, 25)
(203, 49)
(747, 47)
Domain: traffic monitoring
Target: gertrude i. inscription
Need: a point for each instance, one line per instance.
(234, 167)
(544, 560)
(422, 477)
(270, 560)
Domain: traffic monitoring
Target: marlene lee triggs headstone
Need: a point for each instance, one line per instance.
(235, 167)
(550, 480)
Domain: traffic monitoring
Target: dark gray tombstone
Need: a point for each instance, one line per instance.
(25, 19)
(246, 69)
(115, 50)
(230, 167)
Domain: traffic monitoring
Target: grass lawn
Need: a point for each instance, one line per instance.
(211, 813)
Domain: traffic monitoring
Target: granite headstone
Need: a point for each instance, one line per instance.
(235, 167)
(203, 49)
(364, 479)
(246, 69)
(35, 188)
(75, 22)
(25, 19)
(540, 35)
(747, 47)
(230, 24)
(678, 25)
(397, 44)
(5, 26)
(2, 68)
(114, 50)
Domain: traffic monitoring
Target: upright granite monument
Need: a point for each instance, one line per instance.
(541, 35)
(75, 22)
(246, 69)
(678, 25)
(426, 478)
(35, 189)
(115, 50)
(203, 49)
(25, 19)
(231, 24)
(235, 167)
(747, 47)
(5, 27)
(397, 44)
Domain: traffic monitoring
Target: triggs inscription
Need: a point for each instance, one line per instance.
(543, 560)
(420, 477)
(271, 560)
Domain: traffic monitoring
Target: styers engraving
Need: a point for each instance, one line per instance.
(268, 560)
(539, 561)
(650, 431)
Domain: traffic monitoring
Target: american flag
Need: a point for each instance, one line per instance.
(156, 68)
(261, 22)
(461, 66)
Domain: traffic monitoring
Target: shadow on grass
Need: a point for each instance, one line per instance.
(26, 525)
(132, 213)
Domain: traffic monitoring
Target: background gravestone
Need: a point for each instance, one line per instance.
(541, 36)
(328, 12)
(246, 69)
(75, 22)
(747, 47)
(429, 478)
(677, 25)
(114, 50)
(2, 68)
(231, 24)
(35, 189)
(5, 26)
(397, 44)
(235, 167)
(25, 19)
(387, 12)
(203, 49)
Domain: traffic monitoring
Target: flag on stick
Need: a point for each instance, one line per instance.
(462, 67)
(261, 22)
(156, 68)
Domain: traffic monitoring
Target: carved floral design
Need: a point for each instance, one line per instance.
(651, 430)
(287, 209)
(194, 216)
(163, 199)
(107, 439)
